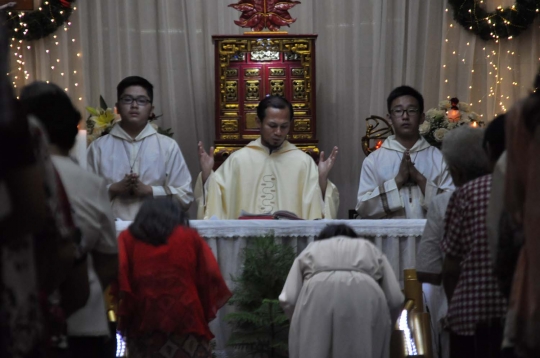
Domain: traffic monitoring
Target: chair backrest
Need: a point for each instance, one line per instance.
(375, 136)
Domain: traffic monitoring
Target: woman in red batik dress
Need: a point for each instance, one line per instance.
(170, 285)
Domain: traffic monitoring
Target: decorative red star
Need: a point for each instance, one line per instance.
(259, 14)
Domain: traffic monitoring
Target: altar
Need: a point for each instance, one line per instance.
(397, 239)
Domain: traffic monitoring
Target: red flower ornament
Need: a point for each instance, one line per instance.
(260, 14)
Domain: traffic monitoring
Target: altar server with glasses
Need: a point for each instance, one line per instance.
(136, 161)
(399, 180)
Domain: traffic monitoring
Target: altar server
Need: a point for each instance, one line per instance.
(399, 179)
(135, 160)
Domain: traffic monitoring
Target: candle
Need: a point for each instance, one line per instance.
(78, 152)
(474, 124)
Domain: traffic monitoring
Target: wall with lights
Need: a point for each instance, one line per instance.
(56, 58)
(490, 75)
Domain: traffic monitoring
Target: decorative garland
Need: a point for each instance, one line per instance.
(502, 23)
(40, 23)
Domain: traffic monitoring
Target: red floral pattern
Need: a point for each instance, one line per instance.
(260, 14)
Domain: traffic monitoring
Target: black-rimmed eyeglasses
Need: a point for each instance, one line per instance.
(141, 101)
(398, 112)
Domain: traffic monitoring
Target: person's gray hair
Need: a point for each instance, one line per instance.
(462, 149)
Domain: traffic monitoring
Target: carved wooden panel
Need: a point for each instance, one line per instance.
(252, 66)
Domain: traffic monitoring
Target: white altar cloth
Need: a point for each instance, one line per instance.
(398, 239)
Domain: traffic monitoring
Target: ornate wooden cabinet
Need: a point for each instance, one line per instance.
(252, 66)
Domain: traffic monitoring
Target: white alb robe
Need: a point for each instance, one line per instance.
(339, 294)
(155, 157)
(257, 181)
(429, 259)
(89, 199)
(378, 195)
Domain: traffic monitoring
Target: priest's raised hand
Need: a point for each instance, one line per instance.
(325, 166)
(206, 161)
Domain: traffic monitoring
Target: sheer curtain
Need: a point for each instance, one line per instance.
(365, 48)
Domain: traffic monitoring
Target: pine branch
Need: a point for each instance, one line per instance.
(260, 325)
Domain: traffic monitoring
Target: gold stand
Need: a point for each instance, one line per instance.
(412, 333)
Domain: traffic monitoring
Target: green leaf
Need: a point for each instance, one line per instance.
(168, 132)
(102, 102)
(93, 111)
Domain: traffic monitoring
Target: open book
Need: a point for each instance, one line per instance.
(277, 215)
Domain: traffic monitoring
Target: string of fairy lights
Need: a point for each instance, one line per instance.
(498, 54)
(28, 65)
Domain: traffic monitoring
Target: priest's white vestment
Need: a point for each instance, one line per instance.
(258, 181)
(339, 294)
(378, 195)
(156, 158)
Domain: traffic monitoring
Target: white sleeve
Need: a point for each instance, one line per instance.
(374, 200)
(178, 179)
(107, 243)
(442, 183)
(291, 290)
(429, 258)
(390, 286)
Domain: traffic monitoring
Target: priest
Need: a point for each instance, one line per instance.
(268, 174)
(399, 179)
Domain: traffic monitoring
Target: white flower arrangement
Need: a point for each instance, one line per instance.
(439, 134)
(449, 115)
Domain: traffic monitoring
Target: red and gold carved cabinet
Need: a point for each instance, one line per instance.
(252, 66)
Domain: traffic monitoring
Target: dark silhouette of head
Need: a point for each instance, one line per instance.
(273, 102)
(135, 81)
(53, 107)
(334, 230)
(494, 138)
(157, 219)
(405, 91)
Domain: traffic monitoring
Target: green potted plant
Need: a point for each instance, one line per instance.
(260, 327)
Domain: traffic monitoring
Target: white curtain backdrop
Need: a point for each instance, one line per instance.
(365, 49)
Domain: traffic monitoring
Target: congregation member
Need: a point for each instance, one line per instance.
(341, 296)
(463, 152)
(135, 160)
(476, 307)
(400, 179)
(23, 213)
(522, 196)
(87, 328)
(496, 149)
(41, 282)
(170, 285)
(268, 174)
